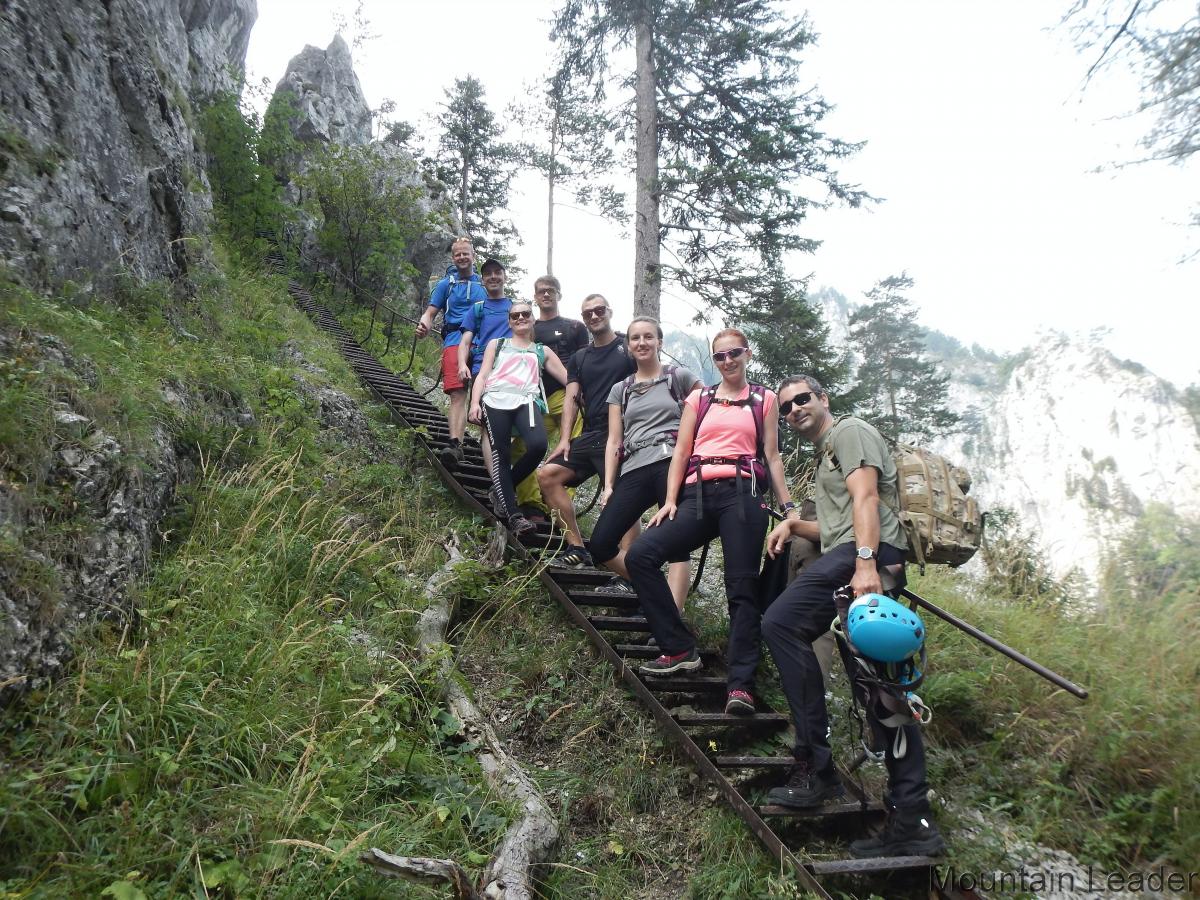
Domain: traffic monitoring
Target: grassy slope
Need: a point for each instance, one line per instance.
(267, 714)
(266, 717)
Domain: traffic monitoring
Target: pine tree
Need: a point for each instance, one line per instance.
(903, 393)
(572, 150)
(480, 165)
(727, 142)
(789, 337)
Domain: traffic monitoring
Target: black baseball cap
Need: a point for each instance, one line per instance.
(492, 261)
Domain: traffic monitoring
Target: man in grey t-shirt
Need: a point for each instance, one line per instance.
(857, 498)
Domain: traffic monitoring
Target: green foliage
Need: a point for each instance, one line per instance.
(1162, 42)
(246, 195)
(739, 148)
(477, 165)
(1156, 563)
(1111, 778)
(370, 210)
(790, 337)
(1016, 565)
(904, 393)
(263, 718)
(1191, 401)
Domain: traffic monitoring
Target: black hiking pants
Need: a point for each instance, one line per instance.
(500, 424)
(799, 616)
(738, 518)
(633, 494)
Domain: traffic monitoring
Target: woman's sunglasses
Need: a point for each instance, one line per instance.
(522, 314)
(799, 400)
(721, 355)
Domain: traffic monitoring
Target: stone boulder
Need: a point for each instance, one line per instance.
(100, 174)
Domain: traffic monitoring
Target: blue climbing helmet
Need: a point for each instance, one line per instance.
(884, 630)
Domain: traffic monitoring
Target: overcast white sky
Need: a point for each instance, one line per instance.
(980, 138)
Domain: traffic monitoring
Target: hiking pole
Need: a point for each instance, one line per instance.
(1038, 668)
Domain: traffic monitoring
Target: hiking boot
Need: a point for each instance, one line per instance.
(520, 526)
(806, 789)
(573, 558)
(451, 456)
(906, 833)
(619, 585)
(688, 661)
(739, 703)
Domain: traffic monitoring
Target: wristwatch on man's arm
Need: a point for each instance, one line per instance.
(866, 553)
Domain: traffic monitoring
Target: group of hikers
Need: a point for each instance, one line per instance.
(606, 406)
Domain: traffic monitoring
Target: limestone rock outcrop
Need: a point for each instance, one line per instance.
(1077, 441)
(100, 172)
(325, 106)
(328, 96)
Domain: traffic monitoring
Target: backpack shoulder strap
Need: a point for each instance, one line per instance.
(625, 386)
(704, 404)
(540, 350)
(758, 402)
(670, 371)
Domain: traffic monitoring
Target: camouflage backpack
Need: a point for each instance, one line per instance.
(942, 523)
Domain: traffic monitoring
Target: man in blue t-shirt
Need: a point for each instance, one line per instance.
(485, 320)
(454, 296)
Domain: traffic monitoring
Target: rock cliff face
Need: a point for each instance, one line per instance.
(99, 170)
(328, 107)
(1076, 441)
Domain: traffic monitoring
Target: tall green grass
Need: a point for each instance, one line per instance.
(261, 717)
(1111, 778)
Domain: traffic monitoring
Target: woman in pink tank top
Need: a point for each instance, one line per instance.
(726, 456)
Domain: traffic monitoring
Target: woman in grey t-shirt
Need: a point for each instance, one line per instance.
(643, 418)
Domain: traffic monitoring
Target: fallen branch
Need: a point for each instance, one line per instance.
(531, 839)
(423, 871)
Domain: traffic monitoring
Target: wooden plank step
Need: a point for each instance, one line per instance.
(620, 623)
(871, 866)
(686, 683)
(782, 763)
(823, 811)
(603, 599)
(564, 575)
(689, 720)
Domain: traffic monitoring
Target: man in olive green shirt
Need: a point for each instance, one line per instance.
(860, 533)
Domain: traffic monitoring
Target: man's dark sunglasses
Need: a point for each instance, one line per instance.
(799, 400)
(721, 355)
(598, 313)
(520, 314)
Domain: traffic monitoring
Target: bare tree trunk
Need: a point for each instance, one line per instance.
(462, 192)
(550, 194)
(646, 274)
(530, 839)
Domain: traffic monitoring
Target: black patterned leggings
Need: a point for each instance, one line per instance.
(500, 424)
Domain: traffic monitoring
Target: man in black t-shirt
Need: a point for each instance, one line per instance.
(591, 373)
(564, 336)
